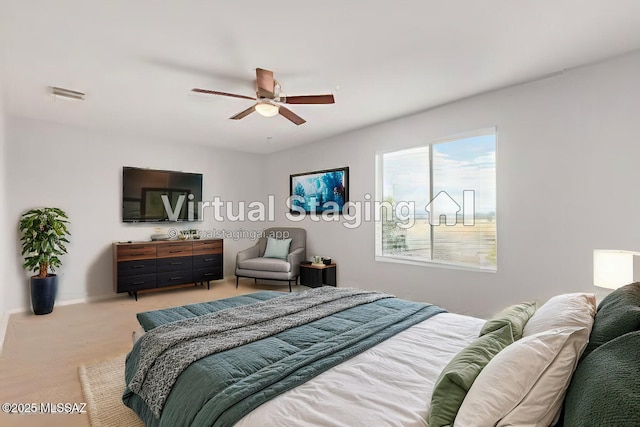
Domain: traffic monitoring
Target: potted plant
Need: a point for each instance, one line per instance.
(44, 234)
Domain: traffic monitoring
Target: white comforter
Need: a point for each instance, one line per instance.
(388, 385)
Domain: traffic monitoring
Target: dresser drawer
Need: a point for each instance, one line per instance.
(207, 247)
(136, 251)
(174, 264)
(136, 283)
(137, 267)
(206, 261)
(206, 274)
(146, 265)
(175, 278)
(177, 249)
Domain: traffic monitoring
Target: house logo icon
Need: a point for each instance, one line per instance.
(443, 205)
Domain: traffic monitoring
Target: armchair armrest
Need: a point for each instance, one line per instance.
(294, 259)
(245, 254)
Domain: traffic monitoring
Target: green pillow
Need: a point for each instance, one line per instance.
(517, 316)
(277, 248)
(457, 377)
(604, 387)
(618, 313)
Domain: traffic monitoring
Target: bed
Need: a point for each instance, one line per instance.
(349, 357)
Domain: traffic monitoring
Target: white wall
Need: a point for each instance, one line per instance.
(567, 154)
(4, 243)
(567, 184)
(81, 172)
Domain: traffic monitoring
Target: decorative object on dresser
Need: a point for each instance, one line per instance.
(148, 265)
(160, 236)
(43, 236)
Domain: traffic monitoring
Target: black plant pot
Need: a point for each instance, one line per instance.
(43, 293)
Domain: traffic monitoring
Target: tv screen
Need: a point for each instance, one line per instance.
(157, 195)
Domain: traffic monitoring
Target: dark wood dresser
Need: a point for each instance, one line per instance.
(140, 266)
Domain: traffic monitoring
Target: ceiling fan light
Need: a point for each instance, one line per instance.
(267, 109)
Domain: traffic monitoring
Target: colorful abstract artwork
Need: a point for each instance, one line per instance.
(319, 191)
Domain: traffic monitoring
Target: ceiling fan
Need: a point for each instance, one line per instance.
(269, 100)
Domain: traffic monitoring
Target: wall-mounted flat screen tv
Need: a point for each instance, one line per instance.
(150, 195)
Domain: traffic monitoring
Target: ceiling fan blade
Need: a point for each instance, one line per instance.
(214, 92)
(290, 115)
(308, 99)
(264, 80)
(244, 113)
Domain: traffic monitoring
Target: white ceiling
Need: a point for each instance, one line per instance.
(137, 60)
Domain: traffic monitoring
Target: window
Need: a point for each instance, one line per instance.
(437, 203)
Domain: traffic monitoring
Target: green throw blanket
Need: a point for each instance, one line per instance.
(168, 349)
(219, 389)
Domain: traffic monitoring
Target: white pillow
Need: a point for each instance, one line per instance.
(542, 405)
(510, 376)
(561, 311)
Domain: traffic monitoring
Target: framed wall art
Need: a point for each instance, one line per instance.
(319, 191)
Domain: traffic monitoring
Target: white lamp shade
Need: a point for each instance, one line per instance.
(612, 268)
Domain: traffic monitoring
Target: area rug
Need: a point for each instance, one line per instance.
(102, 387)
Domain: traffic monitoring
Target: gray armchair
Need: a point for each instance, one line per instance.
(251, 263)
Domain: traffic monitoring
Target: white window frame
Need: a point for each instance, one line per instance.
(379, 185)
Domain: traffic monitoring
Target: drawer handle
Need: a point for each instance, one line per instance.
(177, 263)
(176, 278)
(209, 274)
(174, 252)
(208, 259)
(137, 266)
(138, 283)
(137, 254)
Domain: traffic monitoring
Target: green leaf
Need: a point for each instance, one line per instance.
(43, 234)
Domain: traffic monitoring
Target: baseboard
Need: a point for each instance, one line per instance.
(70, 302)
(4, 323)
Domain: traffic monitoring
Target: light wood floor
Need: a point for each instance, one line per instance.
(41, 354)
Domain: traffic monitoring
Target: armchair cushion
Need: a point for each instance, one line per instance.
(265, 264)
(277, 248)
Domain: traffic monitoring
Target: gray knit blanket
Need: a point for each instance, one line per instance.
(169, 349)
